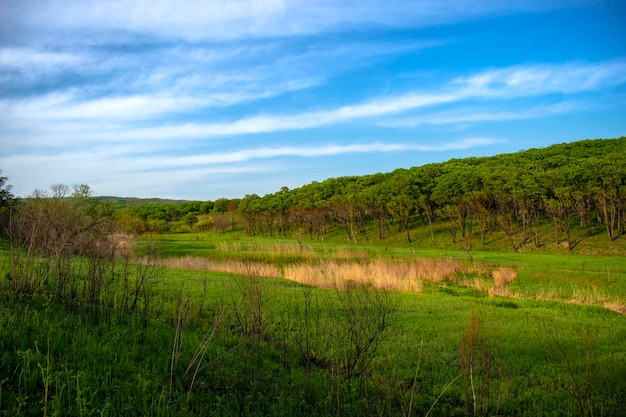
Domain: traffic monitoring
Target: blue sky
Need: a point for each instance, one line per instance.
(209, 99)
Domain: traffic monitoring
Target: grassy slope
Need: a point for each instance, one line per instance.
(594, 272)
(428, 327)
(120, 368)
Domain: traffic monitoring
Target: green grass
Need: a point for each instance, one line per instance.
(567, 276)
(538, 354)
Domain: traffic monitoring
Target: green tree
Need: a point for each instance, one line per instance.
(7, 200)
(609, 193)
(53, 228)
(401, 203)
(249, 211)
(425, 178)
(190, 219)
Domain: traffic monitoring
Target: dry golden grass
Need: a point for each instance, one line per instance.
(259, 269)
(351, 268)
(379, 274)
(268, 248)
(617, 307)
(393, 276)
(350, 253)
(586, 296)
(597, 296)
(480, 283)
(123, 244)
(502, 277)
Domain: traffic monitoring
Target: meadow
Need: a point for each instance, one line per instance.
(233, 325)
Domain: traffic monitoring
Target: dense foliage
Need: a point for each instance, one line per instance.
(7, 199)
(579, 188)
(577, 183)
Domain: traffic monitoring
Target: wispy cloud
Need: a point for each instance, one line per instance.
(309, 151)
(108, 116)
(121, 175)
(117, 92)
(540, 79)
(114, 170)
(124, 163)
(31, 58)
(488, 113)
(92, 85)
(502, 84)
(236, 19)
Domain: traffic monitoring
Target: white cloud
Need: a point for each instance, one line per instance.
(307, 151)
(31, 58)
(68, 119)
(116, 171)
(110, 172)
(541, 79)
(502, 84)
(193, 20)
(164, 81)
(66, 107)
(120, 161)
(236, 19)
(487, 113)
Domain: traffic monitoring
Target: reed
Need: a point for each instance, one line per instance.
(327, 273)
(276, 247)
(587, 296)
(379, 274)
(502, 277)
(233, 266)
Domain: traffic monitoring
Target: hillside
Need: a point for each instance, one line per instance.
(564, 195)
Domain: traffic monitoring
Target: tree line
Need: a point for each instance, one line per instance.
(578, 188)
(578, 185)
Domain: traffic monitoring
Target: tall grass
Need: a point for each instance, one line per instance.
(502, 277)
(579, 295)
(298, 357)
(232, 266)
(408, 276)
(379, 274)
(272, 247)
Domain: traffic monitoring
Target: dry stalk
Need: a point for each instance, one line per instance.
(502, 277)
(231, 266)
(288, 248)
(379, 274)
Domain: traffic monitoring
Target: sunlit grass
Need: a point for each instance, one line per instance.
(584, 279)
(517, 296)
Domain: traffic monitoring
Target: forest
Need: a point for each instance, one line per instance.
(580, 184)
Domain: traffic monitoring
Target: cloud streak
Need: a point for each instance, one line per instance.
(501, 84)
(142, 175)
(310, 151)
(70, 120)
(237, 19)
(488, 114)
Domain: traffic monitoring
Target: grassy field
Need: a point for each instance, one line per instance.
(235, 325)
(555, 275)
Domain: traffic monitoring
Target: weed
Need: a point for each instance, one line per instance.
(481, 363)
(502, 277)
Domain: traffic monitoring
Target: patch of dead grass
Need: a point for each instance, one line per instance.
(379, 274)
(231, 266)
(502, 277)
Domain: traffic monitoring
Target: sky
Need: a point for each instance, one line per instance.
(223, 98)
